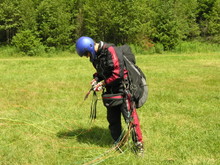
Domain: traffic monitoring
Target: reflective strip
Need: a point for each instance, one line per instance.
(113, 97)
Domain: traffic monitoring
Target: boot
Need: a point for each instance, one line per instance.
(139, 149)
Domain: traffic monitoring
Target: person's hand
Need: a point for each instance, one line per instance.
(93, 82)
(98, 86)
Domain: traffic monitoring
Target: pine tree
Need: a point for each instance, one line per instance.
(9, 19)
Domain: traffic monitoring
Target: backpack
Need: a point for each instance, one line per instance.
(137, 80)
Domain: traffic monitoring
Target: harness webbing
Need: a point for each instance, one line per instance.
(93, 106)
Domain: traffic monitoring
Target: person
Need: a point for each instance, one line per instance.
(112, 75)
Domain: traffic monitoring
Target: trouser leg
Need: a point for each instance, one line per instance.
(114, 119)
(137, 134)
(131, 117)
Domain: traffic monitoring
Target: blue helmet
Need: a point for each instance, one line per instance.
(85, 45)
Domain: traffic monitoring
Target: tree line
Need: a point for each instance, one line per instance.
(34, 24)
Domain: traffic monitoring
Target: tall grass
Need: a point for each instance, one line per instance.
(197, 47)
(12, 51)
(186, 47)
(7, 51)
(43, 119)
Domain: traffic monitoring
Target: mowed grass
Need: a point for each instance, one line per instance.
(43, 119)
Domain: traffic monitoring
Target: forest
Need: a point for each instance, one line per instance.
(31, 25)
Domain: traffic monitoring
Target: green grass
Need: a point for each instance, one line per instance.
(43, 119)
(196, 47)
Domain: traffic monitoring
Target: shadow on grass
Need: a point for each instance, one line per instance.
(95, 135)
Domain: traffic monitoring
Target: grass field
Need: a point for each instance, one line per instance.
(43, 119)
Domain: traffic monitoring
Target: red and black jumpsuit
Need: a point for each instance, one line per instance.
(110, 68)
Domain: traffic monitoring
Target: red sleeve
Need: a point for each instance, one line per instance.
(116, 67)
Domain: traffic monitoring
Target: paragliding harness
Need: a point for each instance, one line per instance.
(109, 100)
(135, 86)
(137, 80)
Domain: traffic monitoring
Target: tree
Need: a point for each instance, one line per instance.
(77, 18)
(97, 18)
(27, 42)
(204, 10)
(28, 15)
(214, 23)
(173, 21)
(54, 23)
(115, 21)
(187, 12)
(166, 23)
(9, 19)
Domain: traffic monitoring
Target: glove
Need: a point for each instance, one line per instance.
(93, 82)
(98, 86)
